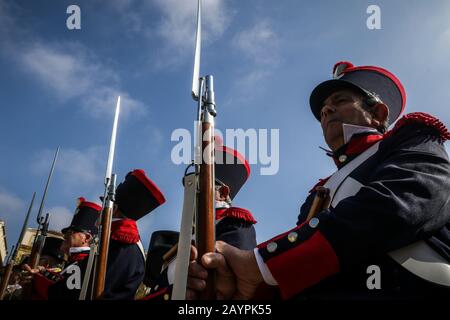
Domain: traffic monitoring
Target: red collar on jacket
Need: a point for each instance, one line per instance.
(235, 212)
(361, 142)
(357, 145)
(78, 256)
(125, 231)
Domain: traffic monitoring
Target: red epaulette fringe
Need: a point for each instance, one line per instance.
(423, 118)
(238, 213)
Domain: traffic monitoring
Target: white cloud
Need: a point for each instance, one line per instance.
(59, 71)
(13, 211)
(60, 217)
(71, 71)
(10, 204)
(68, 70)
(259, 43)
(77, 172)
(104, 102)
(7, 22)
(178, 26)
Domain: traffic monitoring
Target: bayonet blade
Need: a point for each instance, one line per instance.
(41, 206)
(24, 226)
(198, 45)
(112, 145)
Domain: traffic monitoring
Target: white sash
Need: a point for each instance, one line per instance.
(141, 247)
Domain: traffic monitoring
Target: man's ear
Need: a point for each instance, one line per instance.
(380, 113)
(88, 237)
(224, 192)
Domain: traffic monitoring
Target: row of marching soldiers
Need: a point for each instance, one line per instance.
(131, 273)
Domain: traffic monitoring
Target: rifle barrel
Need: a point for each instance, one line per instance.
(5, 279)
(13, 256)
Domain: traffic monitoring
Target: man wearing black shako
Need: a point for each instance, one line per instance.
(378, 227)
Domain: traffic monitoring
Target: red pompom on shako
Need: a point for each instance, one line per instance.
(137, 196)
(371, 81)
(85, 217)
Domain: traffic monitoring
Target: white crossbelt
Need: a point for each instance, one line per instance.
(141, 248)
(418, 258)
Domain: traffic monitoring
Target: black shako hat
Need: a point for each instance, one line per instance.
(231, 168)
(52, 247)
(369, 80)
(161, 242)
(137, 195)
(85, 217)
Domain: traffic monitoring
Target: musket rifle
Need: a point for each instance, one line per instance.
(15, 252)
(199, 196)
(106, 216)
(43, 222)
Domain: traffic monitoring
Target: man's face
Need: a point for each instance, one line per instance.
(222, 193)
(74, 239)
(343, 106)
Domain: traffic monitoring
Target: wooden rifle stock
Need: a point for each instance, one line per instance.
(5, 279)
(206, 216)
(102, 261)
(35, 255)
(13, 256)
(35, 252)
(38, 244)
(321, 201)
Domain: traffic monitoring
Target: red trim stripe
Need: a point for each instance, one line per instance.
(425, 119)
(92, 205)
(154, 190)
(304, 265)
(155, 294)
(388, 74)
(237, 155)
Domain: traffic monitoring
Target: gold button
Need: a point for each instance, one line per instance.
(342, 158)
(166, 296)
(292, 237)
(272, 247)
(314, 222)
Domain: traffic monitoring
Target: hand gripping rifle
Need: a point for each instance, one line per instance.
(102, 240)
(13, 256)
(43, 222)
(199, 194)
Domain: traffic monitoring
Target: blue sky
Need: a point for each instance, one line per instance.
(58, 88)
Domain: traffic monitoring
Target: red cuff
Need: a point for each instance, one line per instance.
(40, 287)
(303, 265)
(157, 295)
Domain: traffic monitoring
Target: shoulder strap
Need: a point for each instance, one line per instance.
(418, 258)
(335, 181)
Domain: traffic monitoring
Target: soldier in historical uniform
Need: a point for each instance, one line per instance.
(52, 256)
(233, 224)
(385, 233)
(136, 197)
(48, 284)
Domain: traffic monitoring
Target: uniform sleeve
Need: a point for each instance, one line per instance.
(402, 202)
(60, 289)
(236, 232)
(240, 234)
(125, 271)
